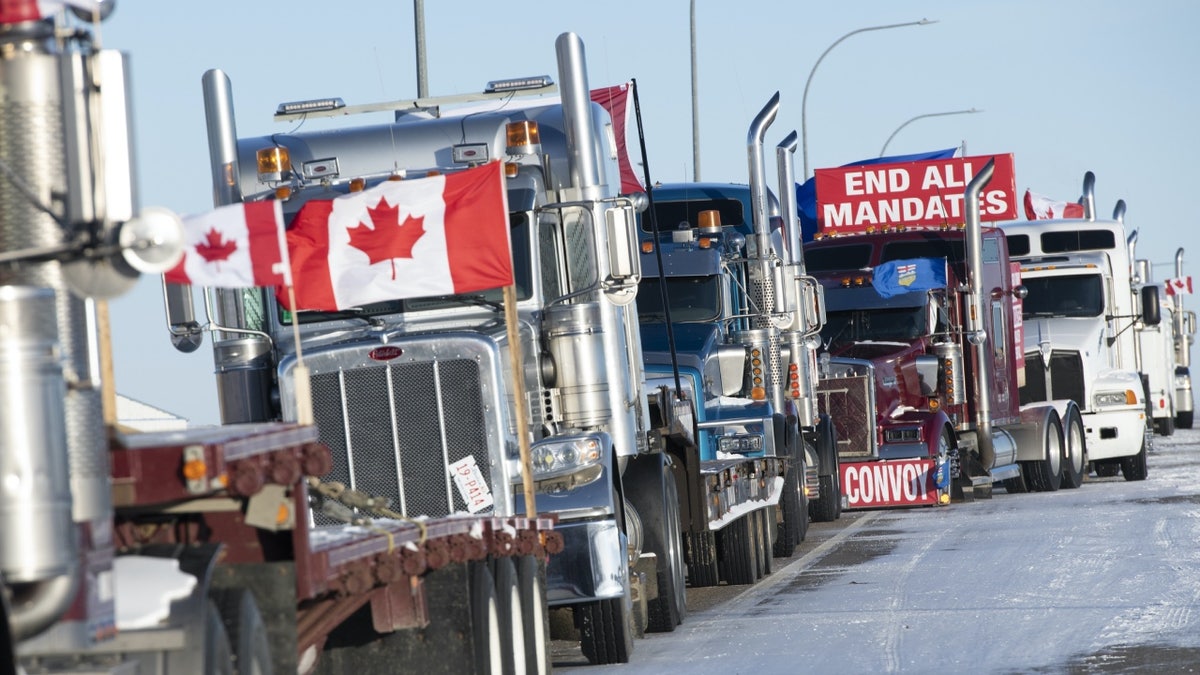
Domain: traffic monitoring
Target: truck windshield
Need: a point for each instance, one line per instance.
(1064, 296)
(693, 299)
(893, 324)
(522, 274)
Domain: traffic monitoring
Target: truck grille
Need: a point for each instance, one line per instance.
(395, 427)
(1066, 375)
(847, 400)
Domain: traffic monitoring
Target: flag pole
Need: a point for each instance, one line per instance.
(300, 375)
(521, 403)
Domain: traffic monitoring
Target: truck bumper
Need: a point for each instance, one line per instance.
(591, 566)
(1118, 433)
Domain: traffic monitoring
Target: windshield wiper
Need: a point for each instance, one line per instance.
(476, 300)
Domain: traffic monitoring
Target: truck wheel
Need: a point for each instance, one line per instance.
(245, 630)
(702, 559)
(828, 505)
(511, 612)
(793, 505)
(537, 617)
(738, 552)
(485, 621)
(8, 650)
(1045, 474)
(655, 497)
(606, 630)
(1165, 426)
(1074, 464)
(763, 540)
(218, 654)
(1183, 420)
(1134, 468)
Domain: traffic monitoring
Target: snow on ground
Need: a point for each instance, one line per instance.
(1103, 578)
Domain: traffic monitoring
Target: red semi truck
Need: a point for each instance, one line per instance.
(922, 349)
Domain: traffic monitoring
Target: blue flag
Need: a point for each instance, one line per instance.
(806, 193)
(914, 274)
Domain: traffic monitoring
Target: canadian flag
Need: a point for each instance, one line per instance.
(414, 238)
(1179, 286)
(14, 11)
(616, 101)
(234, 246)
(1040, 207)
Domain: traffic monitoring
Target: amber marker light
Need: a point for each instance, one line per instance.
(647, 247)
(357, 184)
(511, 170)
(283, 193)
(521, 136)
(195, 469)
(758, 394)
(273, 161)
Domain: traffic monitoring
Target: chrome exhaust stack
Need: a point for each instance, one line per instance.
(975, 332)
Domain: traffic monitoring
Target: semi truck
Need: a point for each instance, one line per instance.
(1185, 332)
(1155, 343)
(195, 550)
(614, 455)
(922, 342)
(745, 316)
(1080, 342)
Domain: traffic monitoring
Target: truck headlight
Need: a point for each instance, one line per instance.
(740, 444)
(557, 457)
(1107, 398)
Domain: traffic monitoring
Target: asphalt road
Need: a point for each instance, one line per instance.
(1102, 579)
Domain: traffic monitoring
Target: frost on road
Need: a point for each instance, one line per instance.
(1105, 578)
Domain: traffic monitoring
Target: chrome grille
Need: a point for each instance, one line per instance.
(394, 429)
(1066, 378)
(847, 401)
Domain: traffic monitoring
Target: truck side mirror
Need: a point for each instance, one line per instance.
(1189, 319)
(186, 333)
(624, 263)
(1151, 311)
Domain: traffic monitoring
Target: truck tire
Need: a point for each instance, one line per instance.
(1135, 468)
(8, 650)
(737, 551)
(485, 621)
(828, 505)
(532, 585)
(655, 497)
(218, 654)
(702, 559)
(763, 539)
(1183, 420)
(1074, 464)
(1164, 426)
(1045, 474)
(793, 508)
(511, 612)
(245, 629)
(606, 630)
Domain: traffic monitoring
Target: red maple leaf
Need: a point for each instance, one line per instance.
(215, 246)
(389, 238)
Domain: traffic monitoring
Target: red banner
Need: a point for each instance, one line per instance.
(903, 482)
(929, 193)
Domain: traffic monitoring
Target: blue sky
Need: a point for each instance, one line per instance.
(1066, 87)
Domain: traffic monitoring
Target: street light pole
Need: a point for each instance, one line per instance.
(695, 105)
(920, 117)
(804, 100)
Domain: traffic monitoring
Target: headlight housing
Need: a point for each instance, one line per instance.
(562, 456)
(740, 444)
(1110, 398)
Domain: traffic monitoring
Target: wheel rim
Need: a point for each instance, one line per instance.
(1055, 452)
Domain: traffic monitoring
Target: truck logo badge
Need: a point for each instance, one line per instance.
(385, 353)
(906, 274)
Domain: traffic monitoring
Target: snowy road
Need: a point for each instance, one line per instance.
(1105, 578)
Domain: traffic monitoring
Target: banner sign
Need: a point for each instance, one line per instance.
(903, 482)
(911, 194)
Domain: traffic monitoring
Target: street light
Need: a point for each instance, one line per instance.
(804, 100)
(919, 117)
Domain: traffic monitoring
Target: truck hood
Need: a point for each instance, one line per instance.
(1083, 335)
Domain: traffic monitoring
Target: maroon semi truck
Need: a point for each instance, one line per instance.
(922, 350)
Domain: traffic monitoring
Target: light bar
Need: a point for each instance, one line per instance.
(313, 105)
(518, 84)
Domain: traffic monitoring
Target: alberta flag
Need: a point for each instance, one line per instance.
(915, 274)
